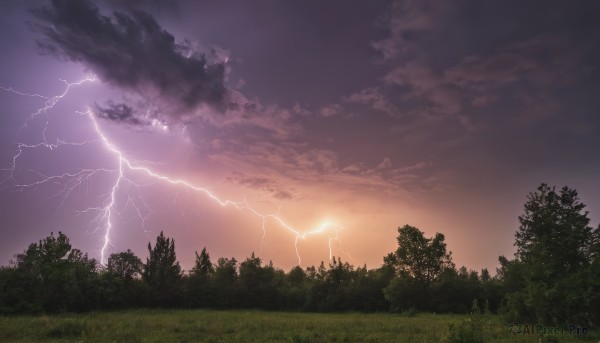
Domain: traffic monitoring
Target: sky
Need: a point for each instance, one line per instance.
(326, 125)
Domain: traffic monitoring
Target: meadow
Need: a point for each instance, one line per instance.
(259, 326)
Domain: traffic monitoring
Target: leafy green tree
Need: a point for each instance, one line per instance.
(199, 291)
(485, 275)
(120, 284)
(223, 283)
(52, 277)
(125, 265)
(491, 291)
(406, 294)
(420, 258)
(337, 286)
(256, 286)
(203, 267)
(16, 292)
(162, 273)
(455, 291)
(554, 264)
(341, 287)
(418, 262)
(554, 232)
(293, 291)
(366, 289)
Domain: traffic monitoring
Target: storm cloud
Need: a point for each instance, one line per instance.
(134, 53)
(118, 112)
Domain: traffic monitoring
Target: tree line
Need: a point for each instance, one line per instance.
(554, 276)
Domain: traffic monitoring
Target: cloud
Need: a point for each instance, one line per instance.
(518, 72)
(281, 167)
(121, 113)
(404, 19)
(375, 98)
(271, 120)
(330, 110)
(274, 187)
(422, 82)
(386, 163)
(132, 52)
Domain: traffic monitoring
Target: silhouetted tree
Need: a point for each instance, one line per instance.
(199, 287)
(162, 273)
(256, 286)
(554, 232)
(50, 276)
(223, 283)
(203, 267)
(120, 284)
(418, 262)
(553, 270)
(125, 265)
(420, 258)
(294, 291)
(492, 291)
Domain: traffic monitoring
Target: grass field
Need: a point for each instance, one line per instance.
(256, 326)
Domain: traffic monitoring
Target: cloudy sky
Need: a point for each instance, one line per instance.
(328, 124)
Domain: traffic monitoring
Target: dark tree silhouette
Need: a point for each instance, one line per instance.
(53, 277)
(554, 232)
(418, 262)
(223, 284)
(125, 265)
(256, 286)
(199, 281)
(162, 273)
(203, 267)
(420, 258)
(554, 267)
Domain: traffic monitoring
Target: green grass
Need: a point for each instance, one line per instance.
(256, 326)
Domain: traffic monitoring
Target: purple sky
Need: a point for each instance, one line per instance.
(344, 120)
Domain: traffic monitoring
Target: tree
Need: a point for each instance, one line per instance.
(223, 283)
(125, 265)
(418, 262)
(294, 291)
(162, 273)
(203, 268)
(51, 276)
(420, 258)
(554, 266)
(120, 283)
(198, 283)
(554, 232)
(256, 286)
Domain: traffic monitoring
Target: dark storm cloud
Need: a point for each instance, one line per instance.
(458, 59)
(120, 112)
(133, 52)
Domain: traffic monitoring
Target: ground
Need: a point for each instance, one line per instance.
(258, 326)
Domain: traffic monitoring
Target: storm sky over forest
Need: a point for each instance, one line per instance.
(342, 119)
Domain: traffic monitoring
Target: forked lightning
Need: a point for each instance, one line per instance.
(108, 210)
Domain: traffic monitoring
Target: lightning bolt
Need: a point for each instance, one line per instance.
(109, 209)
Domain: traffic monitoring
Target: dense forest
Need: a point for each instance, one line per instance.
(554, 276)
